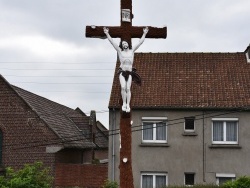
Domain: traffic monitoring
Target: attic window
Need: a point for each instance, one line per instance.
(189, 124)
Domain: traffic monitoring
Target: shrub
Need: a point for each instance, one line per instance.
(32, 176)
(242, 182)
(110, 184)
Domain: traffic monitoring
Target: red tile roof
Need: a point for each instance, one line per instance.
(188, 80)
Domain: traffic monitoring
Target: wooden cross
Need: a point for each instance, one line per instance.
(126, 32)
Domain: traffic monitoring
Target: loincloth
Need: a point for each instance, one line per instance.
(135, 76)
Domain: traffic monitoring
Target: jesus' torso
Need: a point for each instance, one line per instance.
(126, 59)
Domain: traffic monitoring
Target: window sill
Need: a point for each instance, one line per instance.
(154, 145)
(189, 134)
(227, 146)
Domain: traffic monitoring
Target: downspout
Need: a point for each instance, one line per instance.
(204, 146)
(113, 144)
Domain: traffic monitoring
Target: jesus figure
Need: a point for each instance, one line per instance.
(126, 70)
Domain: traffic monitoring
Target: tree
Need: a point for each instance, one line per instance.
(32, 176)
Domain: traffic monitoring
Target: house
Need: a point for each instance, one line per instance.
(33, 128)
(190, 119)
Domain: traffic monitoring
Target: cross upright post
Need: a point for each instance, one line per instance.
(125, 32)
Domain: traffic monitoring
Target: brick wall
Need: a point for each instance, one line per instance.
(24, 133)
(80, 175)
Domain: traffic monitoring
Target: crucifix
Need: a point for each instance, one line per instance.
(126, 72)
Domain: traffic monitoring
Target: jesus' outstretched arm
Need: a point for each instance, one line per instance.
(145, 31)
(106, 31)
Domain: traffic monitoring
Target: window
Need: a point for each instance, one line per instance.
(154, 130)
(189, 179)
(189, 124)
(154, 180)
(225, 131)
(222, 178)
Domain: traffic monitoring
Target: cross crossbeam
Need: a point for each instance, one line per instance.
(130, 32)
(125, 31)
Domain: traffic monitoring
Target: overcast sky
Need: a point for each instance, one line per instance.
(43, 47)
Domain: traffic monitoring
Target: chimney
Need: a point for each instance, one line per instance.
(247, 52)
(92, 123)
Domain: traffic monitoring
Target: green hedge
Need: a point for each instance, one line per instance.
(242, 182)
(110, 184)
(30, 176)
(196, 186)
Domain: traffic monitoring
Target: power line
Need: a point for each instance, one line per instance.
(73, 83)
(136, 130)
(69, 114)
(72, 91)
(85, 92)
(60, 63)
(39, 69)
(117, 131)
(73, 76)
(183, 118)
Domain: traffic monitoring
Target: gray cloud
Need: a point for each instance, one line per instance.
(50, 34)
